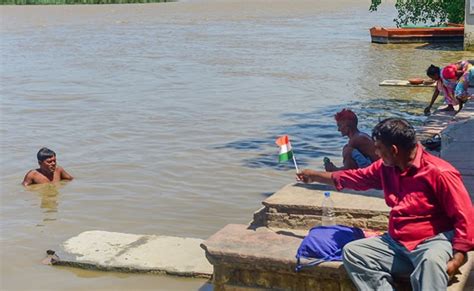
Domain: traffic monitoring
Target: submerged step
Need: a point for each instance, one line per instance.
(113, 251)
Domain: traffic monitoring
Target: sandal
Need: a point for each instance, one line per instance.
(432, 144)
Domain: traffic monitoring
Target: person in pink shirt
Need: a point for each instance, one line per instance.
(446, 79)
(430, 227)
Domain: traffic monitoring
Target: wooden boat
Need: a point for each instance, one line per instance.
(449, 33)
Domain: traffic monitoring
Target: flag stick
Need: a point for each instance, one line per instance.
(296, 165)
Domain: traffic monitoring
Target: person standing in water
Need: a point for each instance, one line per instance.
(359, 152)
(48, 171)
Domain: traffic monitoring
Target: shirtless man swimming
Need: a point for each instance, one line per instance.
(48, 172)
(359, 152)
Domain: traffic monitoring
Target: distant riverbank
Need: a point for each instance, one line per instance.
(71, 2)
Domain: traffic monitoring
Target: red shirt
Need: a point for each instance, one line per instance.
(427, 198)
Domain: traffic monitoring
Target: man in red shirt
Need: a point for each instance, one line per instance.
(431, 219)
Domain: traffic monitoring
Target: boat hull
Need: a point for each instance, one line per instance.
(417, 35)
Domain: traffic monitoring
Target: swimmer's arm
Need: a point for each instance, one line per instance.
(28, 180)
(65, 175)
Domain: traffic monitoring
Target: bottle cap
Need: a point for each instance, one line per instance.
(327, 194)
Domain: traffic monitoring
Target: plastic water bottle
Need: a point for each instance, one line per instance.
(329, 216)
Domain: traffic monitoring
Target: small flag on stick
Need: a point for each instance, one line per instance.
(286, 152)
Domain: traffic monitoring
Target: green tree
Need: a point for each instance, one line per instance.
(423, 11)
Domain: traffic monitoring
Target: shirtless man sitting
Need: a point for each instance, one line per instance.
(48, 172)
(359, 152)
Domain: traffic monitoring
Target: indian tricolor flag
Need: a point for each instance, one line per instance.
(286, 153)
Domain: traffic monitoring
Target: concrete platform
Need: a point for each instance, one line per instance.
(435, 123)
(264, 259)
(457, 140)
(113, 251)
(261, 259)
(298, 206)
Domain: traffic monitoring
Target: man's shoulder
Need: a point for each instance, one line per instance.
(32, 173)
(31, 177)
(361, 137)
(437, 164)
(362, 142)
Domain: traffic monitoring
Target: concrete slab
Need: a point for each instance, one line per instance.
(113, 251)
(298, 206)
(261, 258)
(459, 132)
(457, 140)
(311, 196)
(434, 124)
(242, 243)
(403, 83)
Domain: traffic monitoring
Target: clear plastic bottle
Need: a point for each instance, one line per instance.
(329, 215)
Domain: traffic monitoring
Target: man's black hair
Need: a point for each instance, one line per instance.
(395, 131)
(433, 70)
(45, 153)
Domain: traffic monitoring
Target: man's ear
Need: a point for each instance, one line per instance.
(395, 150)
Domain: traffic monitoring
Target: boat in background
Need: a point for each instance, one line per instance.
(448, 33)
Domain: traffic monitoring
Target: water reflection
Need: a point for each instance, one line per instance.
(49, 199)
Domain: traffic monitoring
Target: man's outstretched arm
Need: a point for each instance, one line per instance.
(359, 179)
(310, 176)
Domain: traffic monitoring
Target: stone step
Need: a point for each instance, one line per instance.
(263, 259)
(298, 206)
(123, 252)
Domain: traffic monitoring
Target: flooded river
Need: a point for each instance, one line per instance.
(166, 115)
